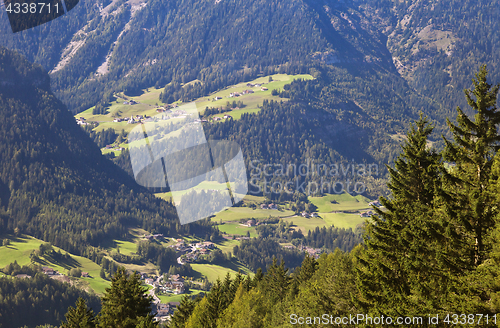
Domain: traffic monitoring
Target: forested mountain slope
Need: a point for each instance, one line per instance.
(380, 56)
(55, 184)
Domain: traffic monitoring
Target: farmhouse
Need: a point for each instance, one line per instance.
(85, 275)
(209, 245)
(263, 89)
(305, 214)
(48, 271)
(23, 276)
(272, 206)
(227, 116)
(375, 203)
(251, 223)
(217, 98)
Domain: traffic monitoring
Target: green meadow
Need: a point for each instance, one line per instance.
(20, 248)
(177, 298)
(212, 271)
(340, 202)
(235, 228)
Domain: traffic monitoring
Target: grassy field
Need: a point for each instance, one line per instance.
(227, 245)
(21, 247)
(237, 213)
(235, 228)
(177, 298)
(340, 202)
(213, 271)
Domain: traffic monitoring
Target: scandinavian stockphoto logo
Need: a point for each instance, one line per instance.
(26, 14)
(170, 148)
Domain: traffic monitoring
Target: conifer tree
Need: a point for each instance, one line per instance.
(124, 302)
(475, 144)
(402, 240)
(182, 313)
(79, 316)
(146, 322)
(276, 281)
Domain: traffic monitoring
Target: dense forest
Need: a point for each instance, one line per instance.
(37, 300)
(55, 184)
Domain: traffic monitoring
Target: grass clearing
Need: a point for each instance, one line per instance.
(343, 220)
(227, 246)
(178, 298)
(213, 271)
(21, 247)
(237, 213)
(235, 228)
(340, 202)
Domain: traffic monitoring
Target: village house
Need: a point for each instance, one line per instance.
(48, 271)
(263, 89)
(366, 214)
(250, 85)
(23, 276)
(208, 244)
(375, 203)
(305, 214)
(251, 223)
(162, 310)
(149, 281)
(217, 98)
(272, 206)
(227, 116)
(176, 277)
(85, 275)
(314, 215)
(263, 206)
(314, 252)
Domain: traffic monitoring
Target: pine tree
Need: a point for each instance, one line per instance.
(475, 144)
(146, 322)
(124, 302)
(182, 313)
(402, 241)
(276, 281)
(79, 316)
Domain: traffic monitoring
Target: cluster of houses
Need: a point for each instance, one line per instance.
(271, 206)
(155, 236)
(49, 271)
(252, 223)
(375, 203)
(174, 284)
(309, 215)
(82, 121)
(257, 85)
(111, 147)
(313, 252)
(164, 310)
(237, 94)
(217, 118)
(366, 214)
(193, 251)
